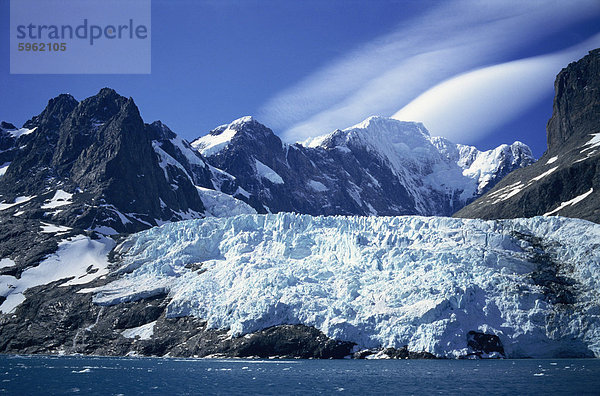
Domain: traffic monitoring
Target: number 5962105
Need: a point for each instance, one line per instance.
(42, 47)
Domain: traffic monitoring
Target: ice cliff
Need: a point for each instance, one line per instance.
(424, 282)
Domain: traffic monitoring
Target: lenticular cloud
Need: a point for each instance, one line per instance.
(472, 104)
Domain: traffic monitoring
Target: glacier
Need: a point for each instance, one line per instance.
(420, 282)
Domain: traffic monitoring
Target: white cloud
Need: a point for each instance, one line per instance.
(388, 73)
(467, 107)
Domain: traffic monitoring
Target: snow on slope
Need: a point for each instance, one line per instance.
(378, 281)
(570, 202)
(265, 172)
(218, 139)
(18, 201)
(80, 258)
(4, 168)
(484, 166)
(424, 162)
(60, 198)
(17, 133)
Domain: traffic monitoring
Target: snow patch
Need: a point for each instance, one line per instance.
(212, 144)
(4, 168)
(242, 192)
(188, 151)
(541, 176)
(166, 160)
(573, 201)
(506, 192)
(122, 218)
(144, 332)
(317, 186)
(80, 258)
(54, 229)
(17, 133)
(594, 142)
(219, 204)
(551, 160)
(105, 230)
(18, 201)
(267, 173)
(60, 198)
(6, 262)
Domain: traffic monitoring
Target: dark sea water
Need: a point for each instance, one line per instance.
(24, 375)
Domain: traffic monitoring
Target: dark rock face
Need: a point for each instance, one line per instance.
(293, 341)
(576, 106)
(52, 321)
(394, 353)
(16, 233)
(102, 153)
(566, 180)
(484, 343)
(8, 146)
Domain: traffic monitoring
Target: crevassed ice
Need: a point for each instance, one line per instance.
(424, 282)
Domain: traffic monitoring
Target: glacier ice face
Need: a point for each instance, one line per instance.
(424, 282)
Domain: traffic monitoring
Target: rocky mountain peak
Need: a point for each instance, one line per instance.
(576, 102)
(7, 125)
(56, 111)
(377, 132)
(160, 131)
(103, 155)
(250, 129)
(102, 106)
(243, 132)
(104, 120)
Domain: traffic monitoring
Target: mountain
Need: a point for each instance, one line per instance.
(94, 167)
(98, 157)
(102, 166)
(566, 180)
(379, 167)
(83, 175)
(297, 285)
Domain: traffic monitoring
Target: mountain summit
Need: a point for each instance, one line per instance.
(100, 153)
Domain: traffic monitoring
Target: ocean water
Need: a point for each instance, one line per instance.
(25, 375)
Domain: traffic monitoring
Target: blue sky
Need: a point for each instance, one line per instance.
(478, 72)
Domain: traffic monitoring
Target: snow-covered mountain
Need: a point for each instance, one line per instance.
(95, 165)
(433, 284)
(90, 168)
(381, 166)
